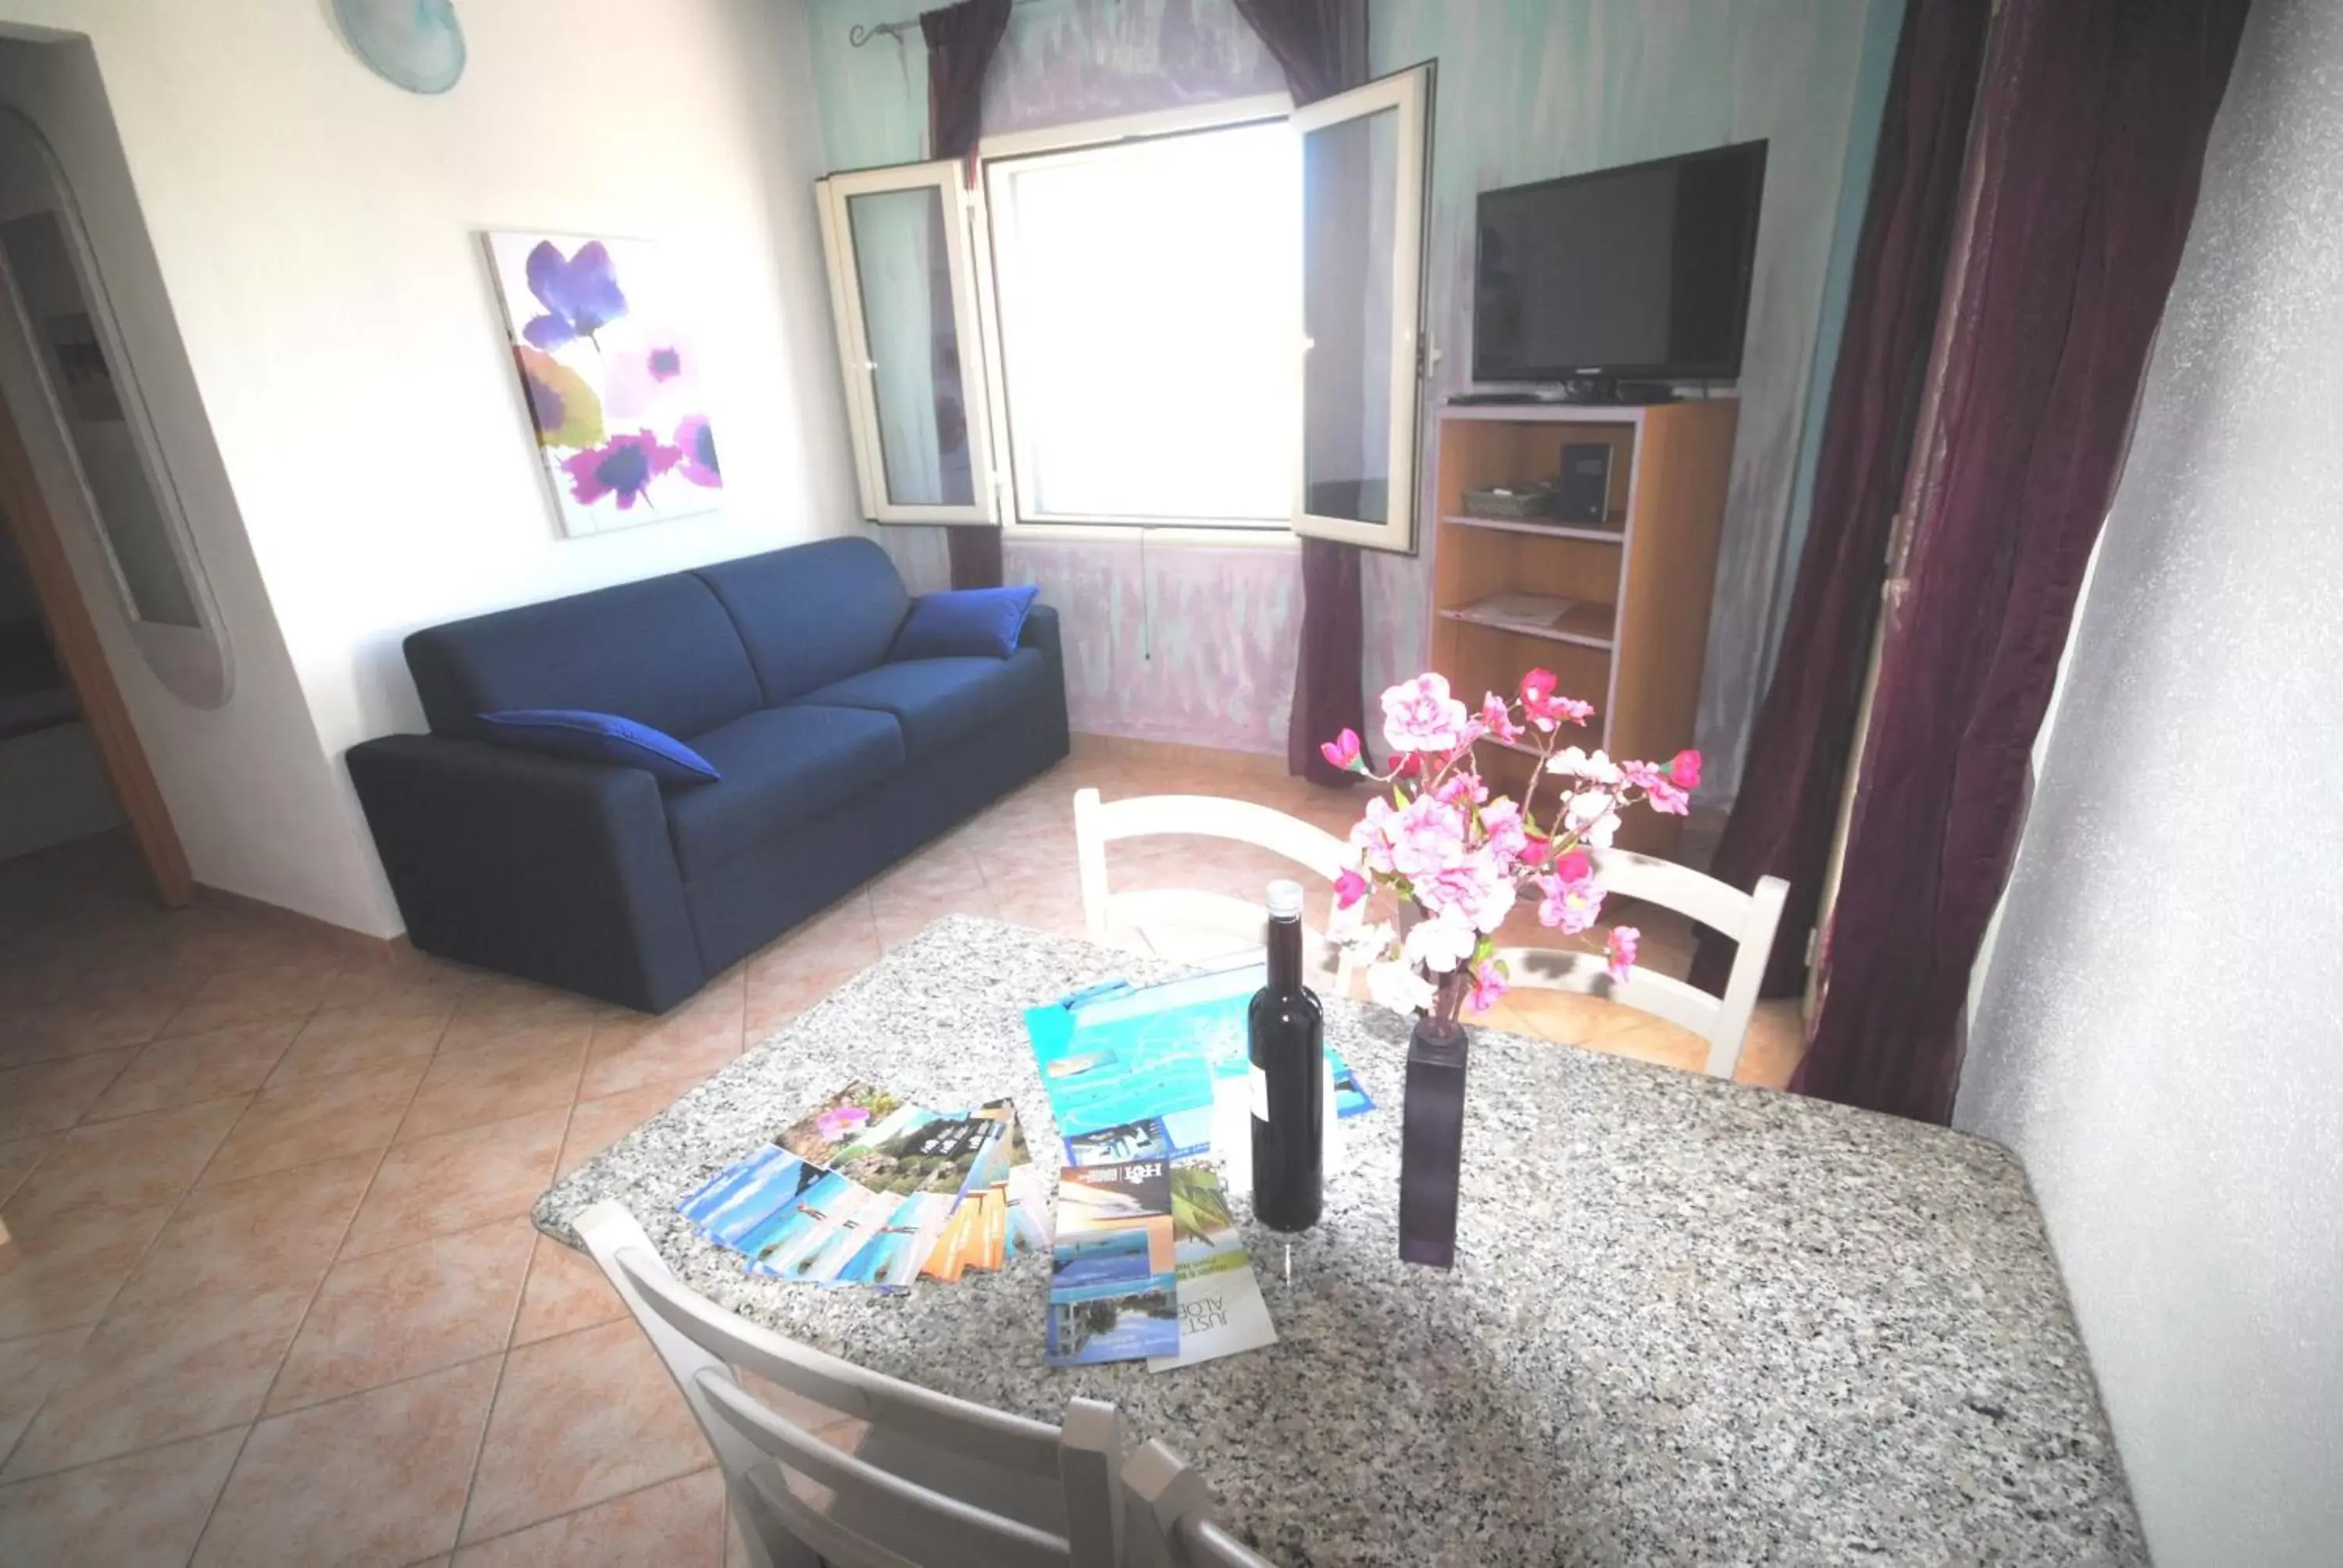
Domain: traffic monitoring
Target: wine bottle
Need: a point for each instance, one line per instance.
(1287, 1033)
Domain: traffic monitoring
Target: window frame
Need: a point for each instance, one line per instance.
(1408, 92)
(832, 194)
(1066, 142)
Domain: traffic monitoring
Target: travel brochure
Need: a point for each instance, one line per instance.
(868, 1190)
(1150, 1089)
(1149, 1072)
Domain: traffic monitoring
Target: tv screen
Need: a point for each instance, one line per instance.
(1642, 270)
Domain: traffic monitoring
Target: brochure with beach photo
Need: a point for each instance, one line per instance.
(865, 1189)
(1134, 1073)
(1221, 1311)
(1114, 1285)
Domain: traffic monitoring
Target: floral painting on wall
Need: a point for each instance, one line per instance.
(611, 380)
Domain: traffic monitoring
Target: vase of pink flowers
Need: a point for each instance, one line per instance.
(1457, 862)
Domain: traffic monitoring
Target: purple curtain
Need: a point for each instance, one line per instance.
(1787, 806)
(1322, 46)
(2091, 125)
(960, 43)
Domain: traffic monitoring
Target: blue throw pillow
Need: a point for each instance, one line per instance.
(965, 622)
(602, 738)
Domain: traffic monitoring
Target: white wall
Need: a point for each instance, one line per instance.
(314, 228)
(2159, 1036)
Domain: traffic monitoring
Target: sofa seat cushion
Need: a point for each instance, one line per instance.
(938, 701)
(782, 768)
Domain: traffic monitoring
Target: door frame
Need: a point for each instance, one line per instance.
(73, 632)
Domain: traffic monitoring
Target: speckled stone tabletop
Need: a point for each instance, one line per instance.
(1690, 1322)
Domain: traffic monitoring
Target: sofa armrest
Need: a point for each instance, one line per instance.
(557, 869)
(1041, 630)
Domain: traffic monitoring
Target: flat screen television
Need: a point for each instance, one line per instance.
(1641, 270)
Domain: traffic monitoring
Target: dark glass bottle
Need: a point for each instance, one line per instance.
(1287, 1033)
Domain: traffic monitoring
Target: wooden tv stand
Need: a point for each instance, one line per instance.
(1619, 611)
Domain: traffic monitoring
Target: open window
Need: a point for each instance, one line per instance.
(1200, 319)
(1363, 360)
(904, 298)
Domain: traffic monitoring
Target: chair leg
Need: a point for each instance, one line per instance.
(768, 1543)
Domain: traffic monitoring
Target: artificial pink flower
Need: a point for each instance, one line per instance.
(1427, 835)
(1570, 907)
(1488, 985)
(1497, 718)
(1664, 796)
(1501, 823)
(1420, 715)
(1544, 707)
(1349, 889)
(1479, 890)
(1461, 788)
(1685, 770)
(1574, 866)
(1343, 751)
(1371, 835)
(1438, 945)
(1621, 946)
(1594, 768)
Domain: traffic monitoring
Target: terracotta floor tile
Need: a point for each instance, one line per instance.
(149, 1378)
(596, 1124)
(678, 1524)
(129, 1513)
(181, 1069)
(134, 1160)
(68, 1267)
(280, 990)
(457, 1181)
(264, 1233)
(29, 1369)
(690, 1042)
(378, 1479)
(302, 1123)
(393, 1314)
(498, 1004)
(496, 1082)
(412, 986)
(17, 1158)
(359, 1040)
(78, 1026)
(579, 1419)
(52, 1095)
(565, 1291)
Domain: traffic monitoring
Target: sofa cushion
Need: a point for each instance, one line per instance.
(661, 652)
(940, 700)
(812, 614)
(601, 737)
(964, 623)
(782, 767)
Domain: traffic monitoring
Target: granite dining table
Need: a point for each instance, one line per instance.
(1690, 1322)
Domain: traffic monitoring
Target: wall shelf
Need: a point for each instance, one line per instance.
(1540, 615)
(1619, 613)
(1613, 533)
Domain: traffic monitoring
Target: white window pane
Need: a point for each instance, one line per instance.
(905, 279)
(1348, 173)
(1149, 316)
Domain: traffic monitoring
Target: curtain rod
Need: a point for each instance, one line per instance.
(859, 34)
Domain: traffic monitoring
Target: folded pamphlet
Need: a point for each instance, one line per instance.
(1114, 1289)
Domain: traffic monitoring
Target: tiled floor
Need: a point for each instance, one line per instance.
(276, 1299)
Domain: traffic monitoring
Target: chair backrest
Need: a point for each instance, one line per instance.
(1747, 919)
(877, 1515)
(1098, 823)
(1168, 1517)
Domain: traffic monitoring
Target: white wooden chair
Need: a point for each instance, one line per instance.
(1748, 918)
(938, 1482)
(1168, 1517)
(1236, 924)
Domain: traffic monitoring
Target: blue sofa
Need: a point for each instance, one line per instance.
(836, 763)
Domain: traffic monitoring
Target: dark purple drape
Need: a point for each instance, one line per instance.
(2091, 125)
(960, 43)
(1787, 807)
(1322, 45)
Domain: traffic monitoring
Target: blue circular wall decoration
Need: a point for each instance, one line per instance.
(416, 45)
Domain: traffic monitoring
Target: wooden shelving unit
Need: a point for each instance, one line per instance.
(1618, 611)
